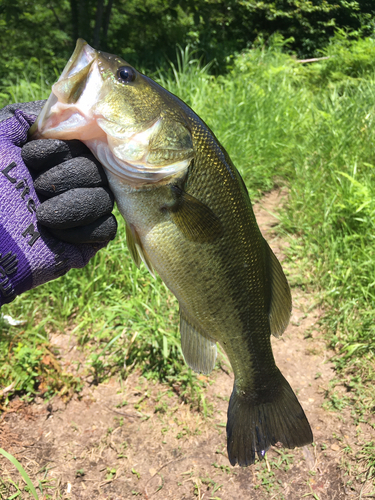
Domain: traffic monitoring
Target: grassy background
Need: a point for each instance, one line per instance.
(309, 127)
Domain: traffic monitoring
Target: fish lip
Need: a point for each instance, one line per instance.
(82, 56)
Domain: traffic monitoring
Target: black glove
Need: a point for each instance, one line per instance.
(77, 208)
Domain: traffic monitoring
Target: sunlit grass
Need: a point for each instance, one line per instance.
(29, 86)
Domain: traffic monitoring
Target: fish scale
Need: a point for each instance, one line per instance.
(189, 218)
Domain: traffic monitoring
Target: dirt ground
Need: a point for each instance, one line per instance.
(138, 439)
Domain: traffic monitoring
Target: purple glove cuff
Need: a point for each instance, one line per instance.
(29, 255)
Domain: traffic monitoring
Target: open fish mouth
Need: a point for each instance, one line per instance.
(67, 112)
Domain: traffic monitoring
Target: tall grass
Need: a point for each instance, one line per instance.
(309, 127)
(31, 85)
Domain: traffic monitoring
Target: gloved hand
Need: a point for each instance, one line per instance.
(77, 206)
(29, 254)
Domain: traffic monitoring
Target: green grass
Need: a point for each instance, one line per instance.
(307, 127)
(32, 85)
(23, 473)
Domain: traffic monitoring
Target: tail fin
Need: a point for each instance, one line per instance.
(253, 427)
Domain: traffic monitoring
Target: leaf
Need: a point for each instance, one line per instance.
(22, 471)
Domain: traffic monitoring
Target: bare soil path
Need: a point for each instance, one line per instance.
(138, 439)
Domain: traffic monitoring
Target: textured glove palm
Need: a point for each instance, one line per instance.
(78, 205)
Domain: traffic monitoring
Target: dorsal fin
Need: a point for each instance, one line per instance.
(281, 299)
(199, 351)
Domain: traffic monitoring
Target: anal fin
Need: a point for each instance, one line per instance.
(199, 351)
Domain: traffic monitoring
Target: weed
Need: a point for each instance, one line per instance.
(110, 473)
(367, 457)
(223, 468)
(120, 421)
(162, 408)
(122, 404)
(136, 473)
(212, 486)
(284, 461)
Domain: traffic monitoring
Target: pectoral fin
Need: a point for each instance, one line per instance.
(198, 350)
(194, 219)
(136, 249)
(281, 299)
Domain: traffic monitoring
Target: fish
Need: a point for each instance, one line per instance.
(189, 218)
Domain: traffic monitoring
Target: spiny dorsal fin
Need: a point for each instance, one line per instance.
(136, 249)
(199, 351)
(194, 219)
(281, 299)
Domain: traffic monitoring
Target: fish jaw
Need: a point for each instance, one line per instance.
(69, 110)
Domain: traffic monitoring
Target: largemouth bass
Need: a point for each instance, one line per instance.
(189, 217)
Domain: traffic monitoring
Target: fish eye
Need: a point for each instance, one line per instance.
(126, 74)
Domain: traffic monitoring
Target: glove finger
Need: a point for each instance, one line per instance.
(102, 230)
(29, 108)
(46, 153)
(72, 174)
(76, 207)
